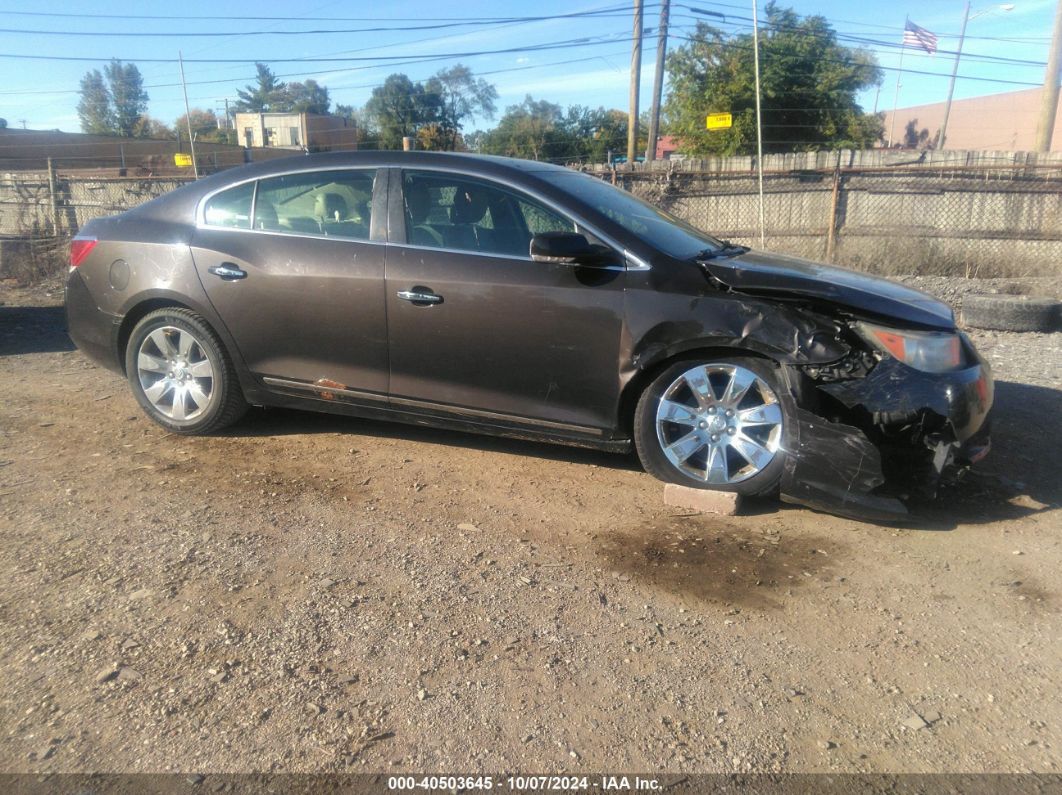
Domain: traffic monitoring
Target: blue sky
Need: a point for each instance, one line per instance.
(44, 93)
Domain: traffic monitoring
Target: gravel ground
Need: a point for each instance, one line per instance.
(314, 593)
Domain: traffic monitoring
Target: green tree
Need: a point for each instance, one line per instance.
(533, 130)
(258, 97)
(3, 124)
(113, 101)
(129, 100)
(94, 107)
(399, 108)
(307, 97)
(809, 84)
(594, 132)
(461, 97)
(269, 95)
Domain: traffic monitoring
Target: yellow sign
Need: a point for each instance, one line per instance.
(719, 121)
(183, 160)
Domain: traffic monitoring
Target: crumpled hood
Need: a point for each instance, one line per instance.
(767, 273)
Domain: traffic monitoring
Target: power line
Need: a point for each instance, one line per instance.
(244, 17)
(281, 32)
(581, 42)
(745, 22)
(882, 28)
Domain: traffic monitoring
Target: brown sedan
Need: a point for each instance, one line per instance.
(518, 298)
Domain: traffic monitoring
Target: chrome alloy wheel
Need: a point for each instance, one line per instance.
(719, 423)
(175, 373)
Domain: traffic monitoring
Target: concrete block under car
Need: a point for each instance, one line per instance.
(721, 502)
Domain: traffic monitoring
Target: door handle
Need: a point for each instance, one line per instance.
(420, 295)
(228, 271)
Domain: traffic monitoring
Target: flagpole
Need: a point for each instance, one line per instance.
(899, 71)
(951, 85)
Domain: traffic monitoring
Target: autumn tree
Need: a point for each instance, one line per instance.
(205, 126)
(150, 127)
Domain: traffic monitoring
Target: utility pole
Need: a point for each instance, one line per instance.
(759, 118)
(188, 117)
(658, 82)
(1004, 7)
(951, 85)
(636, 78)
(1049, 100)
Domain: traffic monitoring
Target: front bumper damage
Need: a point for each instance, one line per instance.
(886, 435)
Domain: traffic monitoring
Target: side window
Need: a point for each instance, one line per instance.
(334, 203)
(464, 214)
(230, 208)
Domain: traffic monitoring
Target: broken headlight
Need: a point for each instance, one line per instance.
(929, 351)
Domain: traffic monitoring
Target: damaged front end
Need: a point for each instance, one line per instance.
(881, 422)
(881, 431)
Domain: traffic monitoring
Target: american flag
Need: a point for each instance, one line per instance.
(919, 37)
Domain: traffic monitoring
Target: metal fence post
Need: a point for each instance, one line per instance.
(831, 230)
(53, 199)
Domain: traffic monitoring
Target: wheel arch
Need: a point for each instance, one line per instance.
(645, 375)
(137, 313)
(139, 306)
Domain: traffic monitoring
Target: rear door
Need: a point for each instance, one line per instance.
(294, 266)
(478, 328)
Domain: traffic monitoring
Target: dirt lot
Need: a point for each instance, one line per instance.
(312, 593)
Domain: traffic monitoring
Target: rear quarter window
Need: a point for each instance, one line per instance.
(231, 208)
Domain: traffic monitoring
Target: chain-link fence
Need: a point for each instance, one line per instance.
(973, 220)
(34, 203)
(39, 212)
(995, 221)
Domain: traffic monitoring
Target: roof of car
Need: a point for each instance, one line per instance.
(486, 163)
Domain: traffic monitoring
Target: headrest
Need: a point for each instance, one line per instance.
(330, 206)
(469, 207)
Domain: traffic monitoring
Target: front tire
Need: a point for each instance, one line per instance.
(716, 424)
(180, 373)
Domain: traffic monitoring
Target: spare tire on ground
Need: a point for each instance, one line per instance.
(1010, 312)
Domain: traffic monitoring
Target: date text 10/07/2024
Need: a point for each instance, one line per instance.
(524, 783)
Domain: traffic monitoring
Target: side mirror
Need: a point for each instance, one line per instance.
(565, 248)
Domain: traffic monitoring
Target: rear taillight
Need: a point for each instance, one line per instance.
(80, 248)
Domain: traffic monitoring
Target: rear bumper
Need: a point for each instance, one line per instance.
(92, 330)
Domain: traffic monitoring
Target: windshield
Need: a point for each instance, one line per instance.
(659, 229)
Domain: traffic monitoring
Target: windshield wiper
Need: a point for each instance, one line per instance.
(728, 249)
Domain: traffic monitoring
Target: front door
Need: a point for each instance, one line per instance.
(478, 328)
(299, 286)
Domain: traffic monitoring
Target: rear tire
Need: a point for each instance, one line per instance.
(180, 373)
(715, 423)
